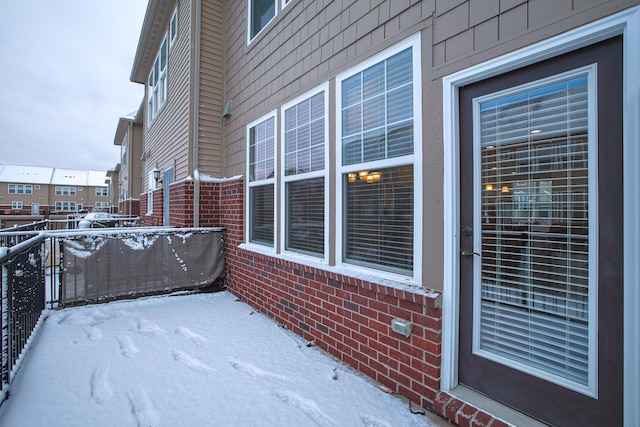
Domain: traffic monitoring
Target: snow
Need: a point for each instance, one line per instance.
(190, 360)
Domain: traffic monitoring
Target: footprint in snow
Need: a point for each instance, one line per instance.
(307, 407)
(146, 327)
(188, 333)
(191, 362)
(370, 421)
(254, 371)
(143, 409)
(127, 346)
(93, 333)
(100, 388)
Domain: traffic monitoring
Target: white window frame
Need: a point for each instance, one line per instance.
(62, 190)
(16, 204)
(282, 214)
(152, 186)
(173, 27)
(269, 181)
(415, 159)
(102, 192)
(157, 92)
(626, 23)
(20, 189)
(250, 16)
(65, 206)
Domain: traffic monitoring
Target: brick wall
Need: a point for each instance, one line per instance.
(347, 317)
(155, 219)
(130, 207)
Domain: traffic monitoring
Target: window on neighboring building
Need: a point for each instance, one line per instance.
(16, 205)
(261, 12)
(20, 189)
(157, 85)
(173, 27)
(102, 205)
(66, 206)
(377, 138)
(123, 151)
(65, 191)
(102, 192)
(304, 175)
(261, 164)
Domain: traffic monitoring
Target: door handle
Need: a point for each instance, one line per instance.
(467, 251)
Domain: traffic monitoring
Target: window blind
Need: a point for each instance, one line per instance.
(535, 284)
(305, 216)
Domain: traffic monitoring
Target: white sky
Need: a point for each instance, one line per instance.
(64, 80)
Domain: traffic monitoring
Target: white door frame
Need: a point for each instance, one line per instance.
(626, 23)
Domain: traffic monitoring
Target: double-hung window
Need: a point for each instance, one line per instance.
(20, 189)
(102, 192)
(261, 12)
(173, 27)
(304, 135)
(65, 191)
(157, 85)
(261, 173)
(378, 107)
(16, 205)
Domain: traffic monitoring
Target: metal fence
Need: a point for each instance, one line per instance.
(23, 300)
(53, 269)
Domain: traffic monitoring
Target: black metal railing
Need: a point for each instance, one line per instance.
(23, 300)
(53, 269)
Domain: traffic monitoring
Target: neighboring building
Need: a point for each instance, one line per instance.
(43, 191)
(129, 134)
(442, 194)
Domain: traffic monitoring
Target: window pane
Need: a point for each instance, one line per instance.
(261, 221)
(305, 216)
(378, 212)
(262, 12)
(384, 112)
(304, 136)
(261, 150)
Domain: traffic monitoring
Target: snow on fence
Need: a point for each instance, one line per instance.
(23, 301)
(58, 268)
(118, 263)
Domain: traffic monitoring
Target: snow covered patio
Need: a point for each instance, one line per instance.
(190, 360)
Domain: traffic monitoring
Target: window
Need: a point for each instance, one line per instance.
(261, 164)
(157, 87)
(123, 151)
(152, 186)
(66, 206)
(20, 189)
(102, 205)
(16, 205)
(102, 192)
(261, 12)
(65, 191)
(304, 131)
(379, 131)
(173, 27)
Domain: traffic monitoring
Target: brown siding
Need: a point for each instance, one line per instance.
(136, 176)
(308, 43)
(211, 87)
(167, 139)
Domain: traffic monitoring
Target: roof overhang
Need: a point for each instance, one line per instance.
(154, 26)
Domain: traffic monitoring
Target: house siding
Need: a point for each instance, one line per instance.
(307, 44)
(167, 137)
(211, 89)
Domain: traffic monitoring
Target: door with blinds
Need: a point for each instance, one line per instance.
(541, 237)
